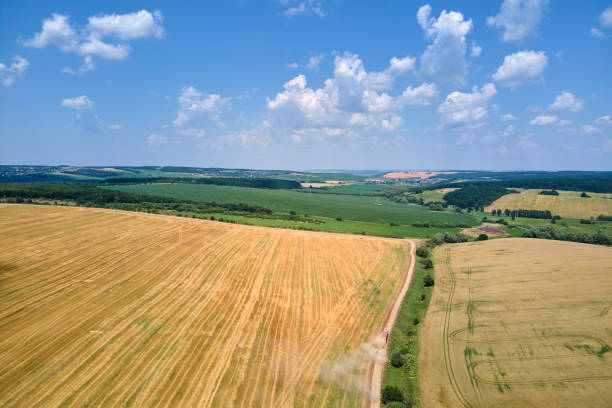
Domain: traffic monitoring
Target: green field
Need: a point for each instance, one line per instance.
(351, 189)
(359, 208)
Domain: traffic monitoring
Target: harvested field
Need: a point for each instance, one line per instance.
(567, 204)
(518, 323)
(111, 308)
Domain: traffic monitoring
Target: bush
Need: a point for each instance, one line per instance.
(396, 404)
(428, 280)
(482, 237)
(585, 195)
(423, 252)
(338, 218)
(397, 360)
(416, 321)
(390, 394)
(427, 263)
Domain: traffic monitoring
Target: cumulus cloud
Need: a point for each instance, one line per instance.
(589, 129)
(543, 120)
(314, 62)
(596, 32)
(56, 30)
(89, 41)
(193, 104)
(507, 117)
(475, 50)
(305, 6)
(353, 98)
(128, 26)
(605, 19)
(87, 65)
(519, 18)
(563, 122)
(604, 120)
(444, 58)
(8, 74)
(78, 103)
(419, 96)
(567, 101)
(194, 132)
(520, 68)
(467, 108)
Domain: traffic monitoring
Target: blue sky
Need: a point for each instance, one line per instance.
(295, 84)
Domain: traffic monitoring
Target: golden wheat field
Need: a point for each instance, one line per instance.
(519, 323)
(110, 308)
(567, 204)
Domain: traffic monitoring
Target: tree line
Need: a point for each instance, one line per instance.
(268, 183)
(88, 195)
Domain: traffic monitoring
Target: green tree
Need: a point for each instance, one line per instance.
(397, 360)
(390, 394)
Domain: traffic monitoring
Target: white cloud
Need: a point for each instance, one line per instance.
(193, 103)
(605, 18)
(155, 140)
(306, 6)
(465, 108)
(596, 32)
(353, 98)
(194, 132)
(128, 26)
(604, 120)
(543, 120)
(444, 58)
(88, 65)
(88, 41)
(563, 122)
(78, 103)
(507, 117)
(114, 127)
(566, 100)
(475, 50)
(399, 66)
(56, 30)
(419, 96)
(8, 74)
(519, 18)
(94, 46)
(520, 68)
(589, 129)
(314, 62)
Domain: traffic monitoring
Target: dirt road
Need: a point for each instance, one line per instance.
(379, 364)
